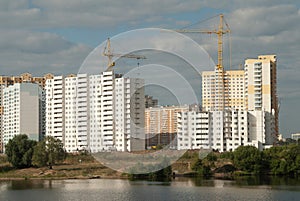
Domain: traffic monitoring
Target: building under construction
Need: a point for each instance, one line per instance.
(252, 89)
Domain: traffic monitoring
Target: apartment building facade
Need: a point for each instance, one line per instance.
(223, 130)
(1, 117)
(129, 115)
(261, 86)
(232, 87)
(193, 130)
(252, 90)
(161, 125)
(96, 112)
(23, 111)
(6, 81)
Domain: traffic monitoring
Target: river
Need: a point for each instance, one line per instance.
(178, 189)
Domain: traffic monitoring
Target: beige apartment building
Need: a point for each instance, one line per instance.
(252, 89)
(162, 119)
(261, 85)
(229, 94)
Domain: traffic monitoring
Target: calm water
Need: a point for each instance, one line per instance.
(178, 189)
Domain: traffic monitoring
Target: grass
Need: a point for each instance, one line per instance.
(75, 166)
(83, 166)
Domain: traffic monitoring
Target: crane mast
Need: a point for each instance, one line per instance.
(107, 51)
(109, 54)
(220, 101)
(219, 32)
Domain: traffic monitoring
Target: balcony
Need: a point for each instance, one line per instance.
(257, 83)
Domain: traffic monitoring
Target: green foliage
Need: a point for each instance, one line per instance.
(284, 159)
(201, 169)
(81, 157)
(3, 159)
(19, 151)
(197, 165)
(190, 155)
(211, 157)
(227, 155)
(248, 158)
(48, 152)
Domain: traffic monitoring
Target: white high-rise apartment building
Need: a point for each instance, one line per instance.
(23, 111)
(129, 107)
(1, 117)
(69, 112)
(106, 112)
(6, 81)
(55, 97)
(99, 112)
(82, 111)
(261, 86)
(96, 140)
(76, 112)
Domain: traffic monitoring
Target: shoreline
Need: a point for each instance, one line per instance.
(59, 178)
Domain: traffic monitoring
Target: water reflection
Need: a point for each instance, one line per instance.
(243, 181)
(267, 180)
(29, 184)
(244, 188)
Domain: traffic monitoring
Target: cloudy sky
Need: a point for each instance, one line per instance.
(41, 36)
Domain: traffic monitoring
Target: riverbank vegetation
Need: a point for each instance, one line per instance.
(23, 153)
(247, 160)
(47, 159)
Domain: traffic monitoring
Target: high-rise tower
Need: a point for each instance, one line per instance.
(261, 85)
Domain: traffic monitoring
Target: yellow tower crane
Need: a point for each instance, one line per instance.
(109, 54)
(219, 32)
(220, 101)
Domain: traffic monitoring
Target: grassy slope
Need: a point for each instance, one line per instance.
(85, 166)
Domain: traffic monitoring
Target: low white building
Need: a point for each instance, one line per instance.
(23, 111)
(295, 136)
(225, 130)
(193, 130)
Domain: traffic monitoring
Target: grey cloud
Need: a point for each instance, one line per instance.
(258, 27)
(32, 42)
(38, 52)
(88, 13)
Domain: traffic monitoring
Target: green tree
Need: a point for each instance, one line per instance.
(48, 152)
(291, 154)
(211, 157)
(19, 151)
(272, 159)
(201, 168)
(248, 158)
(227, 155)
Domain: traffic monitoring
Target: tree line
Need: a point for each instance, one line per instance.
(277, 160)
(22, 152)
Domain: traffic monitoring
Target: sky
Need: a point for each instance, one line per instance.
(40, 36)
